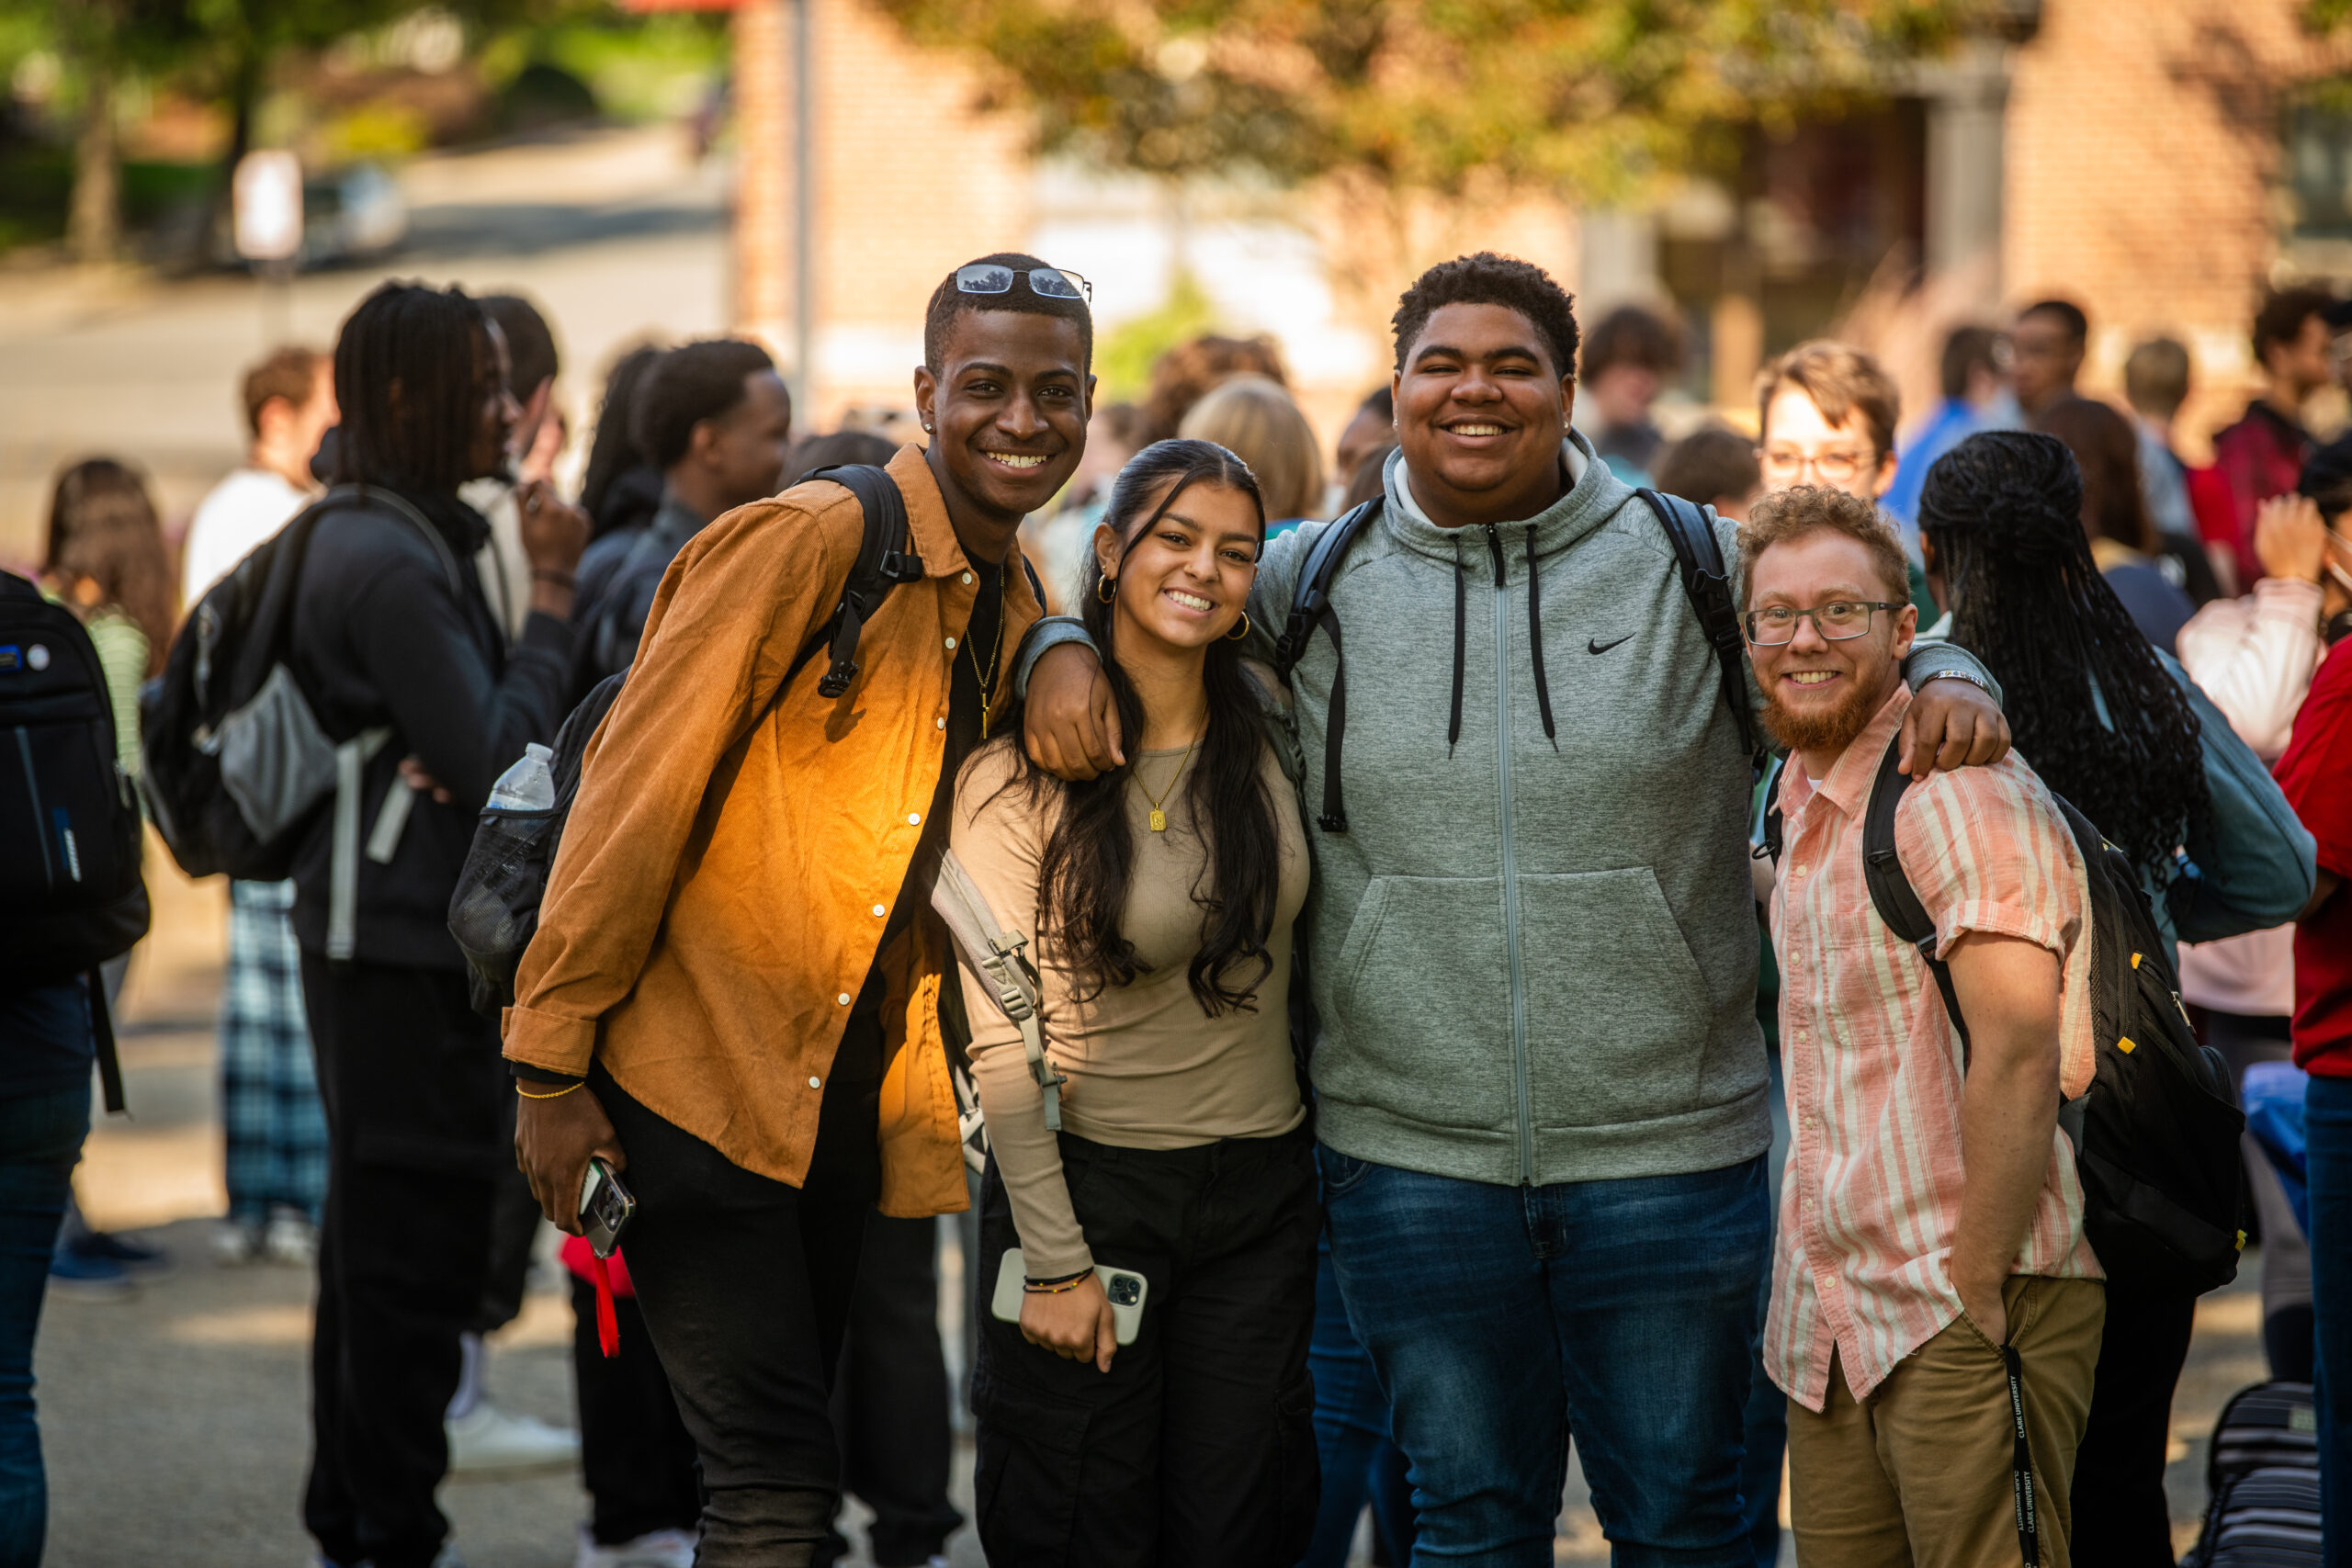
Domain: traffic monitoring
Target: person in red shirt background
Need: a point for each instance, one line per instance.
(2262, 454)
(2316, 775)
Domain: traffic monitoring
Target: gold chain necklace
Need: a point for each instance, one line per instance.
(1160, 818)
(986, 677)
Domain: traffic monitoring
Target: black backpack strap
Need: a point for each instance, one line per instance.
(1891, 892)
(1772, 835)
(102, 1030)
(881, 565)
(1310, 606)
(1706, 582)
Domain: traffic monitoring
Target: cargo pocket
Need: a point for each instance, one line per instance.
(1302, 1471)
(1025, 1475)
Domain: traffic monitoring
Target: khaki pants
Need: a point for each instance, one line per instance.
(1919, 1475)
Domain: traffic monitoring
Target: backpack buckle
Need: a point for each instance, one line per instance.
(836, 680)
(1333, 821)
(899, 567)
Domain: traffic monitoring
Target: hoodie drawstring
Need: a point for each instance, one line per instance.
(1534, 641)
(1461, 597)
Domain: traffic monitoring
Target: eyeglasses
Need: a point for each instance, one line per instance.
(1835, 621)
(1787, 464)
(1048, 282)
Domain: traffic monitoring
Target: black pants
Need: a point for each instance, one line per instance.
(2121, 1518)
(745, 1285)
(412, 1085)
(890, 1405)
(1198, 1447)
(634, 1451)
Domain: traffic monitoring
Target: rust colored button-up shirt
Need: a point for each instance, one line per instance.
(732, 860)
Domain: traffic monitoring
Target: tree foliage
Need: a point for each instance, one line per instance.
(1589, 95)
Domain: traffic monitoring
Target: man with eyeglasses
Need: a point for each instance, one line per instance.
(1932, 1224)
(731, 997)
(1826, 415)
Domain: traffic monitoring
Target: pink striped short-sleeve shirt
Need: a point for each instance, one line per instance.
(1870, 1198)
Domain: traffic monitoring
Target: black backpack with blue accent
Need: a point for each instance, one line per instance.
(72, 895)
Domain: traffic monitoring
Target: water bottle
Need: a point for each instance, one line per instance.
(528, 785)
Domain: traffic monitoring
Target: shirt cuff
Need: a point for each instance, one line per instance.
(1998, 919)
(2290, 597)
(1050, 631)
(526, 1073)
(548, 1041)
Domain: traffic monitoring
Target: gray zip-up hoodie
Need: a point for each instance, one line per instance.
(1533, 950)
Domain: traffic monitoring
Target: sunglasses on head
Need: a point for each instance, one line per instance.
(1046, 282)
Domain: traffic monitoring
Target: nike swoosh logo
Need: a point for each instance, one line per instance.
(1595, 645)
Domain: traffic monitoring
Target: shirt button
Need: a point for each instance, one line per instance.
(1800, 870)
(816, 1083)
(914, 819)
(940, 722)
(879, 911)
(967, 577)
(951, 642)
(842, 999)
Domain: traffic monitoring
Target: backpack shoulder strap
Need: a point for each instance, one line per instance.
(1706, 582)
(1310, 606)
(1311, 597)
(997, 955)
(1892, 894)
(390, 501)
(1772, 835)
(880, 566)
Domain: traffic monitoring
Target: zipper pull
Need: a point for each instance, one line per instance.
(1495, 547)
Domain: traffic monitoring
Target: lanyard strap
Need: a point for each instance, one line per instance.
(608, 1321)
(2022, 1464)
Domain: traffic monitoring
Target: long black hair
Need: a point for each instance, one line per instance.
(614, 451)
(1084, 873)
(431, 345)
(2003, 512)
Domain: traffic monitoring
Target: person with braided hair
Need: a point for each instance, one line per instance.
(2120, 730)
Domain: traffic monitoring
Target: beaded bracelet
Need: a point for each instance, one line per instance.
(1055, 1287)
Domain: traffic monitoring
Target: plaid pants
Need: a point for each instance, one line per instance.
(275, 1132)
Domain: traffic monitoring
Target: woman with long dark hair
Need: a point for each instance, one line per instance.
(1158, 899)
(2118, 729)
(2124, 543)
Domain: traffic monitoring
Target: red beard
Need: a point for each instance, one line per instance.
(1830, 730)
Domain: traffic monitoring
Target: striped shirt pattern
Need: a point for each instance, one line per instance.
(1869, 1200)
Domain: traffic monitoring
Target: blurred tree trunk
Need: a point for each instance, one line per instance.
(93, 224)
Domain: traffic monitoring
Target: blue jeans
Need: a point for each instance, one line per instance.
(40, 1140)
(1505, 1320)
(1360, 1459)
(2327, 1133)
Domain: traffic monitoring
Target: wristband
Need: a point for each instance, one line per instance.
(1976, 681)
(1056, 1286)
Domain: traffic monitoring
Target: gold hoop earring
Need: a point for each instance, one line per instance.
(1237, 633)
(1105, 587)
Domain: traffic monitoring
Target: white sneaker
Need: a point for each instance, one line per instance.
(487, 1437)
(235, 1244)
(662, 1548)
(290, 1239)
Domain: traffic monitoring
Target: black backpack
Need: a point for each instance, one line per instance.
(1705, 582)
(236, 763)
(2262, 1482)
(495, 910)
(2156, 1134)
(71, 892)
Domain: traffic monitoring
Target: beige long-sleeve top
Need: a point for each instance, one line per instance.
(1147, 1068)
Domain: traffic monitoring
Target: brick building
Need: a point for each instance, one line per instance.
(2133, 157)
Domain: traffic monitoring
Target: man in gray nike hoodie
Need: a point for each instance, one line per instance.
(1540, 1084)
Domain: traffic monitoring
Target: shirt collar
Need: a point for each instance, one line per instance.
(1849, 782)
(934, 534)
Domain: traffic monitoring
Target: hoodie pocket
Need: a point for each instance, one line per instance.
(1421, 1004)
(1616, 1007)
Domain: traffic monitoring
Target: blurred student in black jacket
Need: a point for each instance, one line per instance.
(392, 633)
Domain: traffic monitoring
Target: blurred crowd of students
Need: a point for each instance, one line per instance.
(2235, 574)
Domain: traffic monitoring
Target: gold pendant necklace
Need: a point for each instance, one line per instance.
(986, 677)
(1158, 817)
